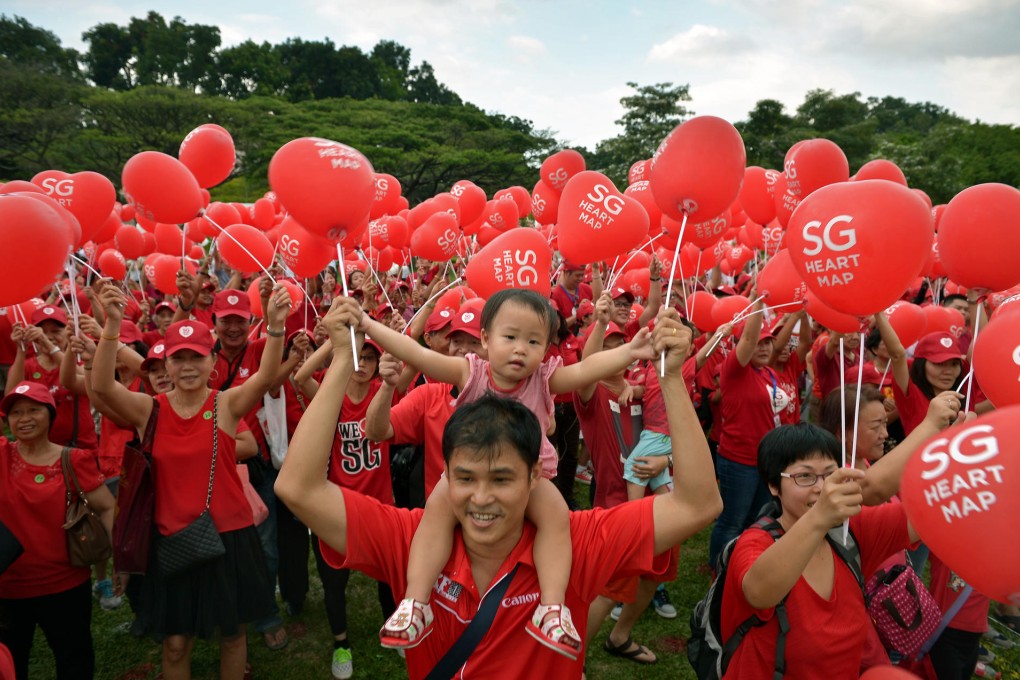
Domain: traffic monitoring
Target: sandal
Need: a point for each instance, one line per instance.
(624, 651)
(413, 618)
(276, 638)
(556, 632)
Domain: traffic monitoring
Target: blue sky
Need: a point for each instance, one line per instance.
(565, 65)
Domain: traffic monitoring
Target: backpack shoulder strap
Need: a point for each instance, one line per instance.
(850, 552)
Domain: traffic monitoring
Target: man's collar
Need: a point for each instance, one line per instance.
(458, 567)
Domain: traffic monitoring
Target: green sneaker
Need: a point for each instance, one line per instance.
(343, 664)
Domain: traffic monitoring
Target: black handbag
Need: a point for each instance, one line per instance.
(10, 547)
(199, 542)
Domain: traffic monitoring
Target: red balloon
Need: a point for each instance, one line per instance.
(944, 320)
(726, 309)
(161, 188)
(88, 196)
(544, 203)
(882, 169)
(254, 298)
(698, 168)
(501, 214)
(245, 248)
(164, 272)
(960, 495)
(639, 171)
(979, 237)
(641, 191)
(386, 200)
(829, 317)
(169, 239)
(111, 263)
(700, 306)
(813, 164)
(997, 360)
(471, 199)
(263, 214)
(596, 221)
(305, 253)
(786, 202)
(779, 280)
(22, 313)
(757, 194)
(558, 168)
(327, 186)
(20, 185)
(36, 244)
(859, 245)
(381, 260)
(196, 252)
(521, 198)
(389, 230)
(773, 238)
(130, 242)
(933, 267)
(437, 238)
(70, 222)
(637, 281)
(519, 258)
(208, 151)
(455, 297)
(639, 260)
(908, 320)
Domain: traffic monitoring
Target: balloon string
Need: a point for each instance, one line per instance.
(612, 280)
(87, 265)
(184, 242)
(970, 370)
(612, 274)
(254, 332)
(885, 372)
(669, 289)
(69, 267)
(241, 246)
(857, 413)
(382, 288)
(442, 290)
(842, 399)
(343, 280)
(556, 274)
(694, 300)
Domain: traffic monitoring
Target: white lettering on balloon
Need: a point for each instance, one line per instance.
(601, 208)
(516, 269)
(837, 270)
(971, 490)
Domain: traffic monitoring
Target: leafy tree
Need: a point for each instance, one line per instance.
(109, 57)
(423, 87)
(392, 63)
(23, 43)
(650, 113)
(250, 69)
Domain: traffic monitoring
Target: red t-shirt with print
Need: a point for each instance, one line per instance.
(746, 409)
(357, 462)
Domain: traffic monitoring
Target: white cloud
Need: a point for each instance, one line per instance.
(526, 46)
(699, 43)
(983, 88)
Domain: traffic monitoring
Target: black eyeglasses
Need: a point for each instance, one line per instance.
(806, 478)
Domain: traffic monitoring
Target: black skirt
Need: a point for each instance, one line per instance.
(218, 596)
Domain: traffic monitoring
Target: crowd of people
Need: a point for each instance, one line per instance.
(436, 443)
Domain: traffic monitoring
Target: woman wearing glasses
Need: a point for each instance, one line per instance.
(824, 604)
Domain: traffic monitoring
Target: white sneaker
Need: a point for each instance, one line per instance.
(343, 664)
(617, 610)
(583, 476)
(103, 589)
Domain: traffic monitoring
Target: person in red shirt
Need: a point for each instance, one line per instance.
(194, 469)
(73, 425)
(751, 403)
(491, 448)
(824, 603)
(570, 290)
(41, 588)
(787, 360)
(162, 317)
(829, 367)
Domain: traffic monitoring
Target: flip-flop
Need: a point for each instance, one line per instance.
(273, 639)
(625, 652)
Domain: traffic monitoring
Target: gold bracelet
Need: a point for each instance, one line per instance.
(104, 336)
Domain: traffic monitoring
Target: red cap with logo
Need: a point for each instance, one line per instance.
(193, 335)
(468, 318)
(439, 319)
(129, 332)
(161, 305)
(232, 302)
(584, 309)
(380, 312)
(938, 347)
(569, 266)
(49, 313)
(156, 353)
(619, 291)
(611, 329)
(28, 390)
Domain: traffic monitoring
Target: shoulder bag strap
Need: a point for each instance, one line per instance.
(953, 610)
(233, 370)
(215, 447)
(74, 425)
(150, 429)
(462, 649)
(70, 476)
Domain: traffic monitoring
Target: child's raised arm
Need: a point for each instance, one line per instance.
(450, 370)
(601, 365)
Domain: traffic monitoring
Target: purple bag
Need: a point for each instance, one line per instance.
(903, 611)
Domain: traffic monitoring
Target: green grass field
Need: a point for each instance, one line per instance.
(122, 657)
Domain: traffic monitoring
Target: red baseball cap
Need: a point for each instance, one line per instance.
(619, 291)
(208, 284)
(37, 392)
(156, 353)
(611, 329)
(163, 304)
(399, 283)
(439, 319)
(469, 318)
(869, 376)
(129, 332)
(584, 309)
(232, 302)
(49, 313)
(193, 335)
(938, 347)
(569, 266)
(381, 311)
